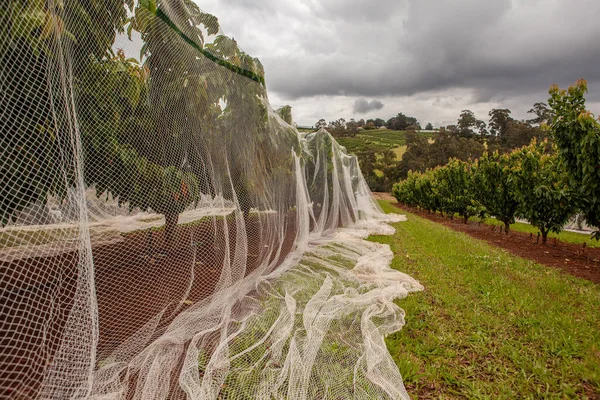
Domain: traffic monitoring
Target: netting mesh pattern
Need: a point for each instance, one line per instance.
(164, 233)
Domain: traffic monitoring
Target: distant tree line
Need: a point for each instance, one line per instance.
(343, 128)
(471, 137)
(468, 139)
(340, 127)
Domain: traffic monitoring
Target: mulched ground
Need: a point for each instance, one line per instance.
(135, 283)
(573, 259)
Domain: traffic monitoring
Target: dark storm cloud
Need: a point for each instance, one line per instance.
(491, 46)
(363, 106)
(496, 51)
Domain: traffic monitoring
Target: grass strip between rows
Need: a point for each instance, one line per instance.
(490, 325)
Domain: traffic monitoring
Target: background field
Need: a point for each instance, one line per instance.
(381, 139)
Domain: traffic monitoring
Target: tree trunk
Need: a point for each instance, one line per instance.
(171, 221)
(544, 235)
(579, 220)
(149, 244)
(245, 210)
(506, 227)
(466, 219)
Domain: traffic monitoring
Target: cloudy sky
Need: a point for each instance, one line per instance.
(426, 58)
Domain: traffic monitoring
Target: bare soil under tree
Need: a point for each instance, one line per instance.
(135, 281)
(577, 260)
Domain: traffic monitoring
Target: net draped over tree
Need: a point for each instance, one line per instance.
(164, 232)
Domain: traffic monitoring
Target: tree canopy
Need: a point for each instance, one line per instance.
(577, 135)
(177, 97)
(37, 138)
(402, 122)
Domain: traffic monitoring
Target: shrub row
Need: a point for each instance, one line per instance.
(528, 183)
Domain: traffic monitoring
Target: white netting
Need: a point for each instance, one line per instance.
(165, 233)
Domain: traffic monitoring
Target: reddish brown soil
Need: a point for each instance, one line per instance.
(135, 282)
(573, 259)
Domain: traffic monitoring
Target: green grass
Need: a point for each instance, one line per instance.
(253, 352)
(564, 236)
(380, 138)
(490, 325)
(400, 152)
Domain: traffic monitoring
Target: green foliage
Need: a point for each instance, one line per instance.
(466, 140)
(402, 122)
(543, 114)
(518, 134)
(144, 128)
(423, 151)
(453, 188)
(340, 128)
(417, 191)
(499, 119)
(379, 167)
(577, 136)
(448, 189)
(406, 192)
(115, 160)
(35, 137)
(422, 154)
(109, 90)
(377, 152)
(285, 113)
(545, 198)
(468, 126)
(528, 183)
(493, 184)
(507, 134)
(321, 124)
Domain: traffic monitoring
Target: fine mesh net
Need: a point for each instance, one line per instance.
(165, 233)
